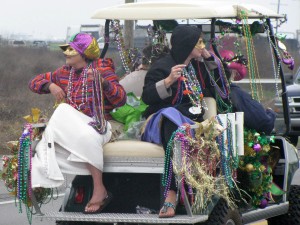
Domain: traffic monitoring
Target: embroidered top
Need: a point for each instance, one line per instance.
(114, 93)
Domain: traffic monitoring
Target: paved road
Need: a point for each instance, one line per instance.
(9, 212)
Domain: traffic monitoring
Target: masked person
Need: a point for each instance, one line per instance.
(88, 90)
(174, 88)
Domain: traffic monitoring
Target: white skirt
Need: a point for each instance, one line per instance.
(67, 145)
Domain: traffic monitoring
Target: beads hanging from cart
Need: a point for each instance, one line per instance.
(115, 25)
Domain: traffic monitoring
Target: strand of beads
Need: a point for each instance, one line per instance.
(222, 106)
(168, 167)
(186, 148)
(232, 155)
(192, 86)
(225, 157)
(99, 122)
(252, 62)
(24, 165)
(179, 93)
(73, 90)
(225, 84)
(115, 25)
(274, 54)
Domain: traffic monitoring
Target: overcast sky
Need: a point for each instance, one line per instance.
(50, 19)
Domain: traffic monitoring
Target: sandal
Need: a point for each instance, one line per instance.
(164, 210)
(101, 204)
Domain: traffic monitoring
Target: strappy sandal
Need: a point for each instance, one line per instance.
(164, 210)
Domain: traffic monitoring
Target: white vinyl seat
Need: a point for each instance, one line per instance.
(138, 156)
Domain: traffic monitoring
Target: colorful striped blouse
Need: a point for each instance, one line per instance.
(114, 93)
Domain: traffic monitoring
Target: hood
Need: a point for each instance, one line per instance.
(183, 41)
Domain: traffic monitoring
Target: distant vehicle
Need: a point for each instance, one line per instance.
(293, 94)
(17, 43)
(92, 29)
(101, 42)
(39, 44)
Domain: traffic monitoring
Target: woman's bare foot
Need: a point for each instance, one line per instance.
(99, 195)
(168, 209)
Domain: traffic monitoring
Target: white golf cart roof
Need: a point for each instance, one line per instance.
(199, 9)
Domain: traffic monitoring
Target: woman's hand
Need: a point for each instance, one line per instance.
(90, 74)
(57, 92)
(176, 72)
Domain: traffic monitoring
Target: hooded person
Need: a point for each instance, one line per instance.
(87, 90)
(174, 88)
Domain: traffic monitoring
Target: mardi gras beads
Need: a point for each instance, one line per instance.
(115, 24)
(73, 89)
(99, 122)
(252, 62)
(24, 164)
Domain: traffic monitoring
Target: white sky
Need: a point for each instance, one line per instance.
(50, 19)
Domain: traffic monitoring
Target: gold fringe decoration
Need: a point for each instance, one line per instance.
(198, 166)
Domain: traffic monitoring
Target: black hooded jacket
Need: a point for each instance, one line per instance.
(183, 41)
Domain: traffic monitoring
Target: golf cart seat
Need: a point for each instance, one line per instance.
(135, 156)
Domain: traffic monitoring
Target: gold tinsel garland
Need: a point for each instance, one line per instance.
(198, 163)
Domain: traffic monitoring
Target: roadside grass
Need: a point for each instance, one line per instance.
(17, 67)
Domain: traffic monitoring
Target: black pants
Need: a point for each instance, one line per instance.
(167, 129)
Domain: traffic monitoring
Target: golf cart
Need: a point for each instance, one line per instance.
(132, 169)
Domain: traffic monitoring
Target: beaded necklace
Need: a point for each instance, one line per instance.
(99, 122)
(224, 92)
(97, 107)
(189, 85)
(252, 62)
(115, 25)
(74, 89)
(168, 166)
(192, 86)
(225, 146)
(24, 190)
(222, 106)
(275, 53)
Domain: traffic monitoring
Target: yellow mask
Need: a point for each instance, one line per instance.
(200, 44)
(70, 52)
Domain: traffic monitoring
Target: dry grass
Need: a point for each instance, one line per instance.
(17, 67)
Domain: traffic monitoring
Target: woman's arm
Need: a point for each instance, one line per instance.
(113, 91)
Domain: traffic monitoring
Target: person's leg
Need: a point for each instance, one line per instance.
(167, 129)
(99, 192)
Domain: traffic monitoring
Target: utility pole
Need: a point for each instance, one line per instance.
(278, 9)
(128, 30)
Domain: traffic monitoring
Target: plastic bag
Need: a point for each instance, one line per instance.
(130, 112)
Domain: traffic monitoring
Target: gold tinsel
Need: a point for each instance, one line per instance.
(199, 168)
